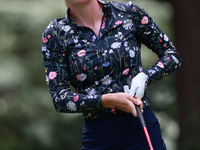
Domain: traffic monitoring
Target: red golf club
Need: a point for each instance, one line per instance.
(141, 118)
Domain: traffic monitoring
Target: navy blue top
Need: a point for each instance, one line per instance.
(96, 65)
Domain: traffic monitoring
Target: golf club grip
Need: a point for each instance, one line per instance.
(140, 115)
(139, 112)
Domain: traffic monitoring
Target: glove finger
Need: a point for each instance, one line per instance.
(126, 89)
(132, 91)
(140, 92)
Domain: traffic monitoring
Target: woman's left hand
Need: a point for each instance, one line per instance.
(122, 101)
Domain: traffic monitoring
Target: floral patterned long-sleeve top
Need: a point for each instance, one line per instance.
(96, 65)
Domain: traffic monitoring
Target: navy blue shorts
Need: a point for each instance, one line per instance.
(122, 132)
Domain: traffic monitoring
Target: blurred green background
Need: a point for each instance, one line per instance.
(28, 120)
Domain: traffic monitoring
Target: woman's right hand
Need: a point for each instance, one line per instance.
(122, 101)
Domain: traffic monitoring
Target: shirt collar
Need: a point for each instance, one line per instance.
(106, 10)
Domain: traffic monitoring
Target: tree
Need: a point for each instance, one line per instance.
(186, 21)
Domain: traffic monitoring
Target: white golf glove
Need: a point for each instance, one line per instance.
(138, 85)
(126, 89)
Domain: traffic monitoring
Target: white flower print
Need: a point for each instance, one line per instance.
(169, 51)
(100, 34)
(147, 32)
(91, 96)
(78, 45)
(106, 80)
(126, 46)
(75, 40)
(128, 24)
(120, 15)
(153, 71)
(110, 51)
(93, 38)
(120, 35)
(55, 97)
(125, 43)
(83, 103)
(61, 22)
(166, 38)
(50, 25)
(116, 45)
(44, 48)
(48, 54)
(131, 53)
(140, 69)
(85, 41)
(71, 32)
(47, 79)
(90, 91)
(154, 26)
(71, 106)
(66, 28)
(96, 82)
(63, 94)
(175, 59)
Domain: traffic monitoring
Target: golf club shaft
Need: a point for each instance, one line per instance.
(141, 118)
(148, 138)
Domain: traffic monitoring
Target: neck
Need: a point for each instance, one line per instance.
(87, 14)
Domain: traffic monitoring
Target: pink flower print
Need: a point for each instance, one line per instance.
(95, 68)
(118, 22)
(84, 68)
(81, 77)
(113, 110)
(52, 75)
(134, 8)
(81, 53)
(126, 71)
(103, 26)
(104, 23)
(160, 64)
(168, 58)
(49, 36)
(76, 98)
(104, 19)
(45, 40)
(145, 20)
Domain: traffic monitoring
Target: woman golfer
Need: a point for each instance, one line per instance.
(95, 48)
